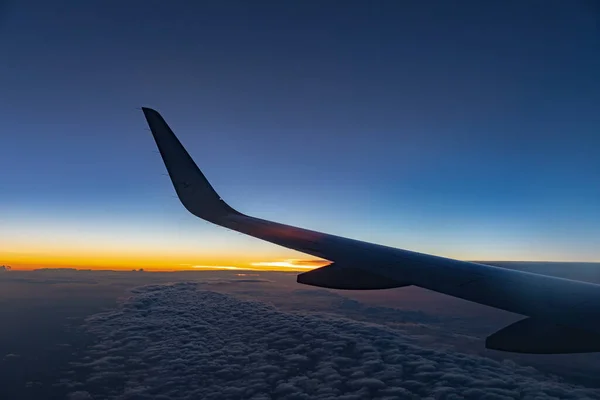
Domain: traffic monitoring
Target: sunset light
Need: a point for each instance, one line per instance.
(292, 263)
(299, 200)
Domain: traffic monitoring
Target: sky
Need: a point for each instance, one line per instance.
(463, 129)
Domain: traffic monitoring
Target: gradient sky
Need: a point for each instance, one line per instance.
(466, 129)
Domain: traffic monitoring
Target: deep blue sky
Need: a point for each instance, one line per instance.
(469, 129)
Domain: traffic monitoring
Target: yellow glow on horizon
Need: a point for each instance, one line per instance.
(219, 267)
(293, 263)
(274, 264)
(32, 241)
(23, 260)
(36, 249)
(161, 259)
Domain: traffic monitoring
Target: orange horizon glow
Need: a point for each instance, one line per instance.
(37, 241)
(23, 251)
(29, 262)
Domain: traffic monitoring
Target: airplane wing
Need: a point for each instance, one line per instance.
(563, 315)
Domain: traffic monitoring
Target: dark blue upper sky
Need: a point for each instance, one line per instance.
(468, 129)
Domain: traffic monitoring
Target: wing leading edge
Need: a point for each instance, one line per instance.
(572, 307)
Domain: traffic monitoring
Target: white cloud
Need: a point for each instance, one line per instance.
(178, 342)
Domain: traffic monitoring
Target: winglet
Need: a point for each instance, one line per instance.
(193, 189)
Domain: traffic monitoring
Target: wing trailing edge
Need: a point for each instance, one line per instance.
(335, 276)
(534, 336)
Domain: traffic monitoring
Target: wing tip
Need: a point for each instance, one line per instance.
(193, 189)
(149, 111)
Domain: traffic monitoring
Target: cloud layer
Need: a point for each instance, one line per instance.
(179, 342)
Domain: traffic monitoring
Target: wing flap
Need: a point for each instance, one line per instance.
(534, 336)
(336, 276)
